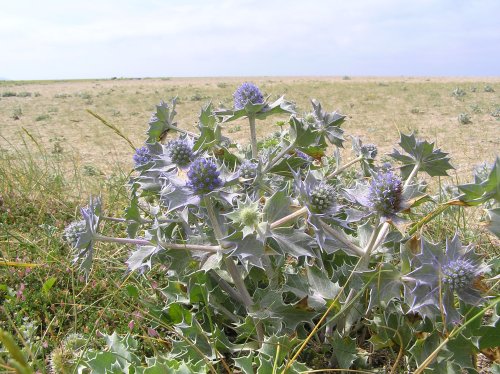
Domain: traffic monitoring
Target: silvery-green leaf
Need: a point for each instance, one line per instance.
(329, 124)
(141, 257)
(250, 251)
(344, 349)
(293, 242)
(385, 284)
(475, 194)
(320, 285)
(433, 161)
(270, 306)
(161, 121)
(494, 221)
(133, 216)
(259, 111)
(277, 206)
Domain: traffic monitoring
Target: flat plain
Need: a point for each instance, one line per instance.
(54, 112)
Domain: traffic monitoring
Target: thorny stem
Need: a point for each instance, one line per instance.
(342, 168)
(411, 176)
(342, 238)
(233, 270)
(289, 217)
(278, 157)
(142, 221)
(192, 247)
(370, 246)
(253, 136)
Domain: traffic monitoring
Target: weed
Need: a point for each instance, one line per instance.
(488, 88)
(42, 117)
(458, 93)
(464, 119)
(17, 113)
(9, 94)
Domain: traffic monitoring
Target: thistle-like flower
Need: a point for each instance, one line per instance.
(142, 156)
(248, 170)
(386, 193)
(322, 198)
(439, 276)
(180, 152)
(247, 93)
(203, 176)
(246, 215)
(73, 231)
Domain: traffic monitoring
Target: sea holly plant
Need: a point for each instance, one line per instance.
(284, 256)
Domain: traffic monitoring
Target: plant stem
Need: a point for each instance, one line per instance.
(342, 238)
(411, 176)
(142, 221)
(342, 168)
(253, 136)
(244, 295)
(370, 246)
(289, 217)
(278, 157)
(192, 247)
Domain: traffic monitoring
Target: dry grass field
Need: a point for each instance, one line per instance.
(54, 112)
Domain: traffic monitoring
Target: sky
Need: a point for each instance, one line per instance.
(72, 39)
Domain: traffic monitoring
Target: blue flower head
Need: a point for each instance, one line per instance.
(439, 276)
(203, 176)
(248, 170)
(386, 193)
(247, 93)
(142, 156)
(73, 231)
(180, 151)
(322, 198)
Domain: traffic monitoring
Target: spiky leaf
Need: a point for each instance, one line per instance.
(433, 161)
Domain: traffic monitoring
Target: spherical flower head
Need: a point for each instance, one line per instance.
(248, 170)
(203, 176)
(322, 198)
(369, 150)
(458, 274)
(386, 190)
(73, 231)
(247, 93)
(142, 156)
(180, 151)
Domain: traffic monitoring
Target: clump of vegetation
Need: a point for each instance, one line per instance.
(24, 94)
(458, 93)
(488, 88)
(42, 117)
(475, 108)
(17, 113)
(279, 239)
(464, 119)
(9, 94)
(62, 96)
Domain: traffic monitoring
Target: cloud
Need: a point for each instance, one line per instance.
(61, 39)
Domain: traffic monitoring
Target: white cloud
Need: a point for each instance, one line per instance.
(61, 39)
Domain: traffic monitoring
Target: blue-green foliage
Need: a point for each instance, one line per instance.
(258, 249)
